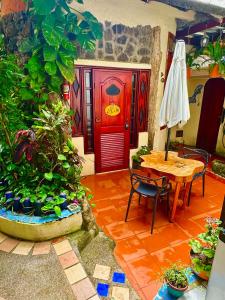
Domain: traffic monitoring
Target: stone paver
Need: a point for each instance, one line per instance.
(75, 273)
(120, 293)
(23, 248)
(68, 259)
(2, 237)
(8, 245)
(83, 289)
(62, 247)
(101, 272)
(42, 248)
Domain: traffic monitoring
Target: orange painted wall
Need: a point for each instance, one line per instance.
(9, 6)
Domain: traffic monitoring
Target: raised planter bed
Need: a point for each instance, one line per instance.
(34, 228)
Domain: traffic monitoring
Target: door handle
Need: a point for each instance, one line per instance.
(97, 120)
(126, 125)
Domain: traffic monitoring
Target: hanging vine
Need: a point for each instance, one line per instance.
(57, 32)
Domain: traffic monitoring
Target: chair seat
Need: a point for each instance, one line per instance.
(147, 189)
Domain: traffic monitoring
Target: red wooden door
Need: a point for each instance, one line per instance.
(112, 98)
(212, 108)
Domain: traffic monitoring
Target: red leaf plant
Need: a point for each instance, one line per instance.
(26, 144)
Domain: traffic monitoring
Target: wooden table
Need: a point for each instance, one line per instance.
(180, 170)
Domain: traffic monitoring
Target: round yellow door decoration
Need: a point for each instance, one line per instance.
(112, 110)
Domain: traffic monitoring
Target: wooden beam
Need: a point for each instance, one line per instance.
(199, 27)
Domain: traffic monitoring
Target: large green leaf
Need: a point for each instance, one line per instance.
(51, 68)
(28, 44)
(67, 73)
(95, 26)
(33, 64)
(55, 83)
(66, 58)
(53, 36)
(44, 7)
(69, 46)
(49, 53)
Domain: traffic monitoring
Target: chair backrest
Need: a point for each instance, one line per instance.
(161, 183)
(197, 153)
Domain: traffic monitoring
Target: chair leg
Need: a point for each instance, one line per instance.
(129, 202)
(139, 200)
(154, 213)
(189, 194)
(203, 185)
(168, 203)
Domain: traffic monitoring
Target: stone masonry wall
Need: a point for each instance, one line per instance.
(120, 43)
(123, 43)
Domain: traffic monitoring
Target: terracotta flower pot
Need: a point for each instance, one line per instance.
(202, 274)
(215, 72)
(188, 72)
(175, 291)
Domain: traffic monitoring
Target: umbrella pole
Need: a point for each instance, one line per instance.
(167, 143)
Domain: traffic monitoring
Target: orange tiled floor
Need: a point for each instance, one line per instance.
(140, 254)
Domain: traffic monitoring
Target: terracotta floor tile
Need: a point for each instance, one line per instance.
(42, 248)
(140, 254)
(68, 259)
(119, 230)
(162, 237)
(151, 290)
(144, 269)
(8, 245)
(130, 248)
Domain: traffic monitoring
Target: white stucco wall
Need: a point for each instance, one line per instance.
(132, 13)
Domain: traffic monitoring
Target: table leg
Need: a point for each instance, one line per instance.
(175, 201)
(186, 192)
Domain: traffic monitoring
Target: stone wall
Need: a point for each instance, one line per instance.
(15, 27)
(123, 43)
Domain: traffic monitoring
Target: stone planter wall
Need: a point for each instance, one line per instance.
(123, 43)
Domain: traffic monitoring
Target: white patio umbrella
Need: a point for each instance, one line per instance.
(174, 108)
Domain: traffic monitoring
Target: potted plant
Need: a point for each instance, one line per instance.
(136, 158)
(216, 52)
(190, 61)
(176, 279)
(203, 248)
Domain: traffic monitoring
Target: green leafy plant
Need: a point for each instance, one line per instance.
(216, 53)
(204, 247)
(176, 275)
(58, 30)
(142, 151)
(191, 57)
(218, 167)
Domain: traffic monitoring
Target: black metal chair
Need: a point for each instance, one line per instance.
(155, 188)
(200, 154)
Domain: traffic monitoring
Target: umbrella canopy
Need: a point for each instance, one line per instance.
(175, 103)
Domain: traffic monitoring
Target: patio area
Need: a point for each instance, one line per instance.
(140, 254)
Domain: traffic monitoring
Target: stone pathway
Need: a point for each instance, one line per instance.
(109, 281)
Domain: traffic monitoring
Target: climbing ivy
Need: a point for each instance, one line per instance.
(57, 32)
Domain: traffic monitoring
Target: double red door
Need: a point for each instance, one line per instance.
(112, 103)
